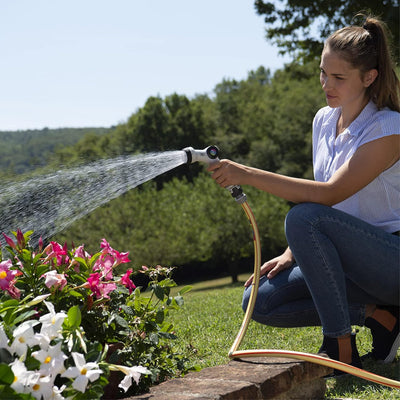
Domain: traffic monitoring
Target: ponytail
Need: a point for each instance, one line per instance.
(367, 48)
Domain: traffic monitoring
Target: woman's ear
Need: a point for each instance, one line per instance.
(369, 77)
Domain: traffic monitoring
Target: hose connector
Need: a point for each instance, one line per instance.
(237, 193)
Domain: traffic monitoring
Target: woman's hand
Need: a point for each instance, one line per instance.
(228, 173)
(274, 266)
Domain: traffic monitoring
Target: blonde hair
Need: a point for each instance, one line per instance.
(367, 48)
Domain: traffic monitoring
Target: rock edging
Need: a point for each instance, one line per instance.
(259, 378)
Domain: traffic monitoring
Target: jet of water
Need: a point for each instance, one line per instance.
(48, 204)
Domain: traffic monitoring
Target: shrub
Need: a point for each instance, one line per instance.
(61, 311)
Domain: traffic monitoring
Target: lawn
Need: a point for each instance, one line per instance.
(210, 319)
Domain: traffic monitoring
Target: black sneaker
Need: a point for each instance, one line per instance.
(385, 341)
(331, 348)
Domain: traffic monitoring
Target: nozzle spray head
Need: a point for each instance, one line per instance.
(207, 155)
(210, 155)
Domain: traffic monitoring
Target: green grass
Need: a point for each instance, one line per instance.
(210, 319)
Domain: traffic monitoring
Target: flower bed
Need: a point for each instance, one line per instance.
(61, 311)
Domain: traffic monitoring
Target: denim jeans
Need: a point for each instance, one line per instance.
(342, 264)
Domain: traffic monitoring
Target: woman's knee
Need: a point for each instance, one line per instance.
(301, 216)
(246, 298)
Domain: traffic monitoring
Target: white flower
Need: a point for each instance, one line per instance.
(56, 393)
(43, 341)
(52, 360)
(3, 339)
(82, 372)
(24, 337)
(52, 322)
(23, 379)
(53, 278)
(42, 388)
(130, 373)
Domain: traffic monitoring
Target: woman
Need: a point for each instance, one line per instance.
(342, 264)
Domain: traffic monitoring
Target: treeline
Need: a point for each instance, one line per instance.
(183, 218)
(26, 150)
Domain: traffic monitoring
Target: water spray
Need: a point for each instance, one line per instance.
(210, 155)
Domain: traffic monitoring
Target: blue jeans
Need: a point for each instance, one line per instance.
(342, 264)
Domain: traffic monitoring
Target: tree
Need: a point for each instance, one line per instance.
(166, 124)
(300, 26)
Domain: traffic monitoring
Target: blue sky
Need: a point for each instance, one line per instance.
(80, 63)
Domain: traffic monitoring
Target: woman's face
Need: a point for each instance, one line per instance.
(344, 86)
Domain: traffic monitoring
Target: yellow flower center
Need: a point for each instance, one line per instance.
(21, 339)
(47, 360)
(83, 371)
(53, 320)
(15, 379)
(3, 275)
(36, 387)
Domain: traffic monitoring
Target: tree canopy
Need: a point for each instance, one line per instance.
(300, 26)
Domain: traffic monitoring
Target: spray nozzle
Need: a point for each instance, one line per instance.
(209, 155)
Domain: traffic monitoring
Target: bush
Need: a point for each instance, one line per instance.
(60, 312)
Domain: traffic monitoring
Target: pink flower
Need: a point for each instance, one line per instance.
(40, 243)
(81, 253)
(6, 274)
(7, 279)
(14, 292)
(106, 288)
(104, 264)
(106, 246)
(54, 250)
(99, 288)
(53, 278)
(120, 258)
(20, 239)
(9, 241)
(94, 281)
(127, 282)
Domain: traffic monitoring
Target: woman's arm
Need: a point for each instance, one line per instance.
(364, 166)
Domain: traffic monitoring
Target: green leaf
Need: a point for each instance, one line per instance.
(160, 316)
(74, 293)
(93, 259)
(185, 289)
(6, 374)
(121, 321)
(158, 291)
(74, 318)
(128, 310)
(41, 269)
(24, 316)
(153, 337)
(5, 357)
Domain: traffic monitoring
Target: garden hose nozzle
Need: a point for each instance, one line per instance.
(210, 155)
(207, 155)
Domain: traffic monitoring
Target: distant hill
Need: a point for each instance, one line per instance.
(22, 151)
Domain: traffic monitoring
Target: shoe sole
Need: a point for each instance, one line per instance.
(393, 351)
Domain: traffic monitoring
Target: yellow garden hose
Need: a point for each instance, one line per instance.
(234, 353)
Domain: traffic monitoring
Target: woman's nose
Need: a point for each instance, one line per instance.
(326, 82)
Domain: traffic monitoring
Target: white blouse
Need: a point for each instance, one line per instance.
(379, 202)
